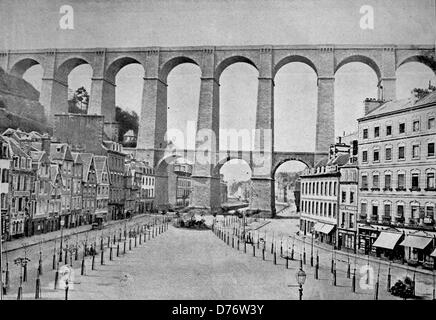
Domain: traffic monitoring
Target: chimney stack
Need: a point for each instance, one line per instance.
(45, 144)
(370, 104)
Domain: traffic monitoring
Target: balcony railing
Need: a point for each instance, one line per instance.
(362, 217)
(415, 189)
(400, 189)
(386, 219)
(430, 189)
(364, 189)
(375, 189)
(374, 218)
(387, 189)
(399, 219)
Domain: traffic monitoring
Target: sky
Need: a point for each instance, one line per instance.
(29, 24)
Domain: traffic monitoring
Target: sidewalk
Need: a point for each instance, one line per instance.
(9, 246)
(343, 254)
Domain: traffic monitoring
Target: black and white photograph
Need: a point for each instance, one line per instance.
(217, 150)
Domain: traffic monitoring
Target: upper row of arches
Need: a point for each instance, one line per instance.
(116, 63)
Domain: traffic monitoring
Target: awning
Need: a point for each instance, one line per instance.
(318, 227)
(387, 240)
(433, 254)
(417, 242)
(327, 228)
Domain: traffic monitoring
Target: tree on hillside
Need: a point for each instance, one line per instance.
(420, 93)
(79, 102)
(127, 121)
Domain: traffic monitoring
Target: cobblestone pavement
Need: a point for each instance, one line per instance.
(285, 231)
(189, 264)
(47, 247)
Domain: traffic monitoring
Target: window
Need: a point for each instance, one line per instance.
(401, 153)
(415, 125)
(431, 123)
(387, 181)
(414, 211)
(364, 156)
(364, 182)
(365, 133)
(415, 151)
(400, 210)
(363, 208)
(376, 155)
(415, 180)
(401, 179)
(387, 212)
(374, 210)
(376, 132)
(388, 154)
(430, 180)
(402, 128)
(429, 212)
(375, 181)
(388, 130)
(343, 197)
(430, 149)
(351, 197)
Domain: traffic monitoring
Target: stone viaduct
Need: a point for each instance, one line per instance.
(158, 62)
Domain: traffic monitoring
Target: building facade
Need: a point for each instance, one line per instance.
(397, 164)
(5, 168)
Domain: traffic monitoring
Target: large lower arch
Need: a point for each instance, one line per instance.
(115, 66)
(169, 65)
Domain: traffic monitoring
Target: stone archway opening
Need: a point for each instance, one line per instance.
(295, 107)
(238, 103)
(235, 182)
(287, 186)
(413, 74)
(355, 81)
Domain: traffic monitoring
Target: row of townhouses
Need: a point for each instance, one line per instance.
(376, 194)
(47, 184)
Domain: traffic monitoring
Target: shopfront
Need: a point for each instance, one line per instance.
(386, 245)
(367, 235)
(418, 247)
(346, 239)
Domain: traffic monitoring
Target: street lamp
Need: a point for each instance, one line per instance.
(62, 238)
(301, 278)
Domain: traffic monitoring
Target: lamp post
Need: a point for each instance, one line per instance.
(311, 251)
(301, 278)
(22, 263)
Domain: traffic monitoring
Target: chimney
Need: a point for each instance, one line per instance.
(45, 144)
(371, 104)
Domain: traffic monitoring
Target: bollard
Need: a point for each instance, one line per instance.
(102, 258)
(292, 253)
(233, 242)
(130, 244)
(56, 278)
(304, 257)
(20, 290)
(353, 281)
(25, 273)
(287, 262)
(281, 249)
(254, 251)
(376, 290)
(389, 279)
(101, 243)
(332, 266)
(275, 257)
(301, 264)
(66, 290)
(238, 244)
(54, 261)
(140, 238)
(40, 267)
(76, 255)
(317, 271)
(93, 261)
(263, 254)
(124, 247)
(348, 271)
(272, 247)
(108, 241)
(118, 250)
(114, 239)
(334, 277)
(245, 247)
(110, 254)
(82, 269)
(38, 288)
(135, 240)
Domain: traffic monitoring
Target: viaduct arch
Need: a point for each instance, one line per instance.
(157, 62)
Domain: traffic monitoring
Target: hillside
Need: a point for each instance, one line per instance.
(20, 105)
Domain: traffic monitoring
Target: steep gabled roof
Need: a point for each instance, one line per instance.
(100, 166)
(340, 160)
(76, 158)
(61, 151)
(430, 98)
(88, 162)
(15, 148)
